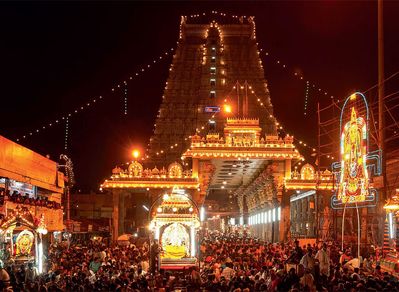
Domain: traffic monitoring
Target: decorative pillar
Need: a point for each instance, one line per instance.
(115, 214)
(396, 235)
(287, 170)
(385, 247)
(281, 228)
(285, 215)
(195, 168)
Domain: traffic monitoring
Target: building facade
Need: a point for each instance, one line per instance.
(31, 213)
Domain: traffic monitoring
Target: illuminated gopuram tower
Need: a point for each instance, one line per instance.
(214, 64)
(216, 139)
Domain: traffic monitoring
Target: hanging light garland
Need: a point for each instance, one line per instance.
(306, 98)
(279, 125)
(66, 134)
(95, 100)
(125, 97)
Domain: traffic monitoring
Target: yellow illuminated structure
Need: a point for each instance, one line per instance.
(254, 167)
(242, 139)
(33, 205)
(136, 177)
(175, 221)
(354, 181)
(308, 179)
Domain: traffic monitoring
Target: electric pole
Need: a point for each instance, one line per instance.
(381, 117)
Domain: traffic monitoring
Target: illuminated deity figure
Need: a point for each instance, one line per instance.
(24, 243)
(175, 170)
(307, 172)
(175, 241)
(354, 183)
(135, 169)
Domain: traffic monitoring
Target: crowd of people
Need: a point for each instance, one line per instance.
(244, 264)
(227, 263)
(26, 199)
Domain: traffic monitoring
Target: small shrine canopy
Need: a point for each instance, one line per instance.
(175, 219)
(22, 216)
(175, 207)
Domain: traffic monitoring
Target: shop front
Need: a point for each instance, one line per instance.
(31, 213)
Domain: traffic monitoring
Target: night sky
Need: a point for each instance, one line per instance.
(58, 56)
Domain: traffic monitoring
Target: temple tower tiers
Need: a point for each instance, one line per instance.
(209, 60)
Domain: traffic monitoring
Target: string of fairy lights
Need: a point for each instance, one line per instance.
(66, 134)
(297, 75)
(279, 124)
(306, 98)
(125, 97)
(92, 102)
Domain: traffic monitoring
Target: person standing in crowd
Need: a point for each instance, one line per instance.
(324, 260)
(4, 277)
(228, 271)
(95, 264)
(30, 273)
(345, 257)
(307, 281)
(308, 261)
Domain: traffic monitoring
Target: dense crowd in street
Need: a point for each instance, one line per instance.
(228, 263)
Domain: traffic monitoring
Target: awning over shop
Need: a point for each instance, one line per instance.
(24, 165)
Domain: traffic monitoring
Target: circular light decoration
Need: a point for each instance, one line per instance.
(191, 209)
(159, 210)
(174, 209)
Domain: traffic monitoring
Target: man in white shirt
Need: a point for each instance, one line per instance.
(228, 272)
(308, 261)
(324, 260)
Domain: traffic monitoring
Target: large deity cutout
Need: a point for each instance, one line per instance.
(354, 182)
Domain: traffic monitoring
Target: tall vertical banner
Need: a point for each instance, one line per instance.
(357, 165)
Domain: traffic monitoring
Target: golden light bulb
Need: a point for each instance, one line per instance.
(136, 153)
(227, 108)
